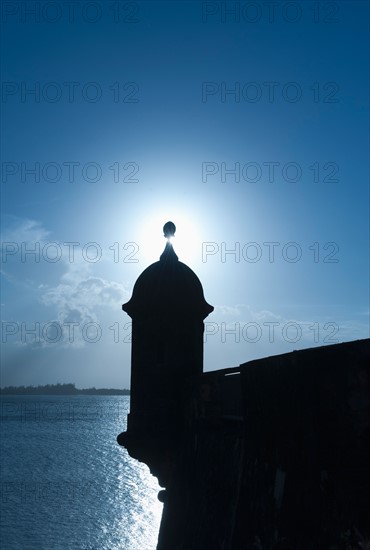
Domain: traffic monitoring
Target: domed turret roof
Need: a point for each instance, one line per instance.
(168, 287)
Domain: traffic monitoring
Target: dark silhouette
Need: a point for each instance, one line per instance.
(273, 454)
(167, 310)
(169, 229)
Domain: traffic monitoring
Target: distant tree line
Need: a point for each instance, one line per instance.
(60, 389)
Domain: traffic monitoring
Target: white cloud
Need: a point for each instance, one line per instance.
(244, 311)
(85, 294)
(26, 231)
(75, 295)
(81, 301)
(225, 310)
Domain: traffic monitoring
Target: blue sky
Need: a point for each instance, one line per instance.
(248, 129)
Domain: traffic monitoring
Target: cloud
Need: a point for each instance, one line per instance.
(265, 315)
(69, 288)
(224, 310)
(24, 231)
(85, 294)
(240, 323)
(22, 243)
(80, 302)
(245, 312)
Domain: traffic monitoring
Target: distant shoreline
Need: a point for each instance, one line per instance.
(60, 389)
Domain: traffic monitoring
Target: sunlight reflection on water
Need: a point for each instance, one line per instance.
(146, 513)
(66, 483)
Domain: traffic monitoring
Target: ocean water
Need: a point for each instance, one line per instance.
(65, 481)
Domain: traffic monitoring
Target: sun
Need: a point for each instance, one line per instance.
(186, 241)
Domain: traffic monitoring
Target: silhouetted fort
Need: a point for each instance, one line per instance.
(273, 454)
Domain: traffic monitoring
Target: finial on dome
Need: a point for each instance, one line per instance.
(168, 254)
(169, 229)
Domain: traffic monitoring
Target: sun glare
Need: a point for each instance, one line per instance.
(186, 241)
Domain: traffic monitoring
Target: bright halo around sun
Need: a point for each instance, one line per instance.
(187, 241)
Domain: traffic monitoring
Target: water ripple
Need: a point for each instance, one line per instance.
(66, 483)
